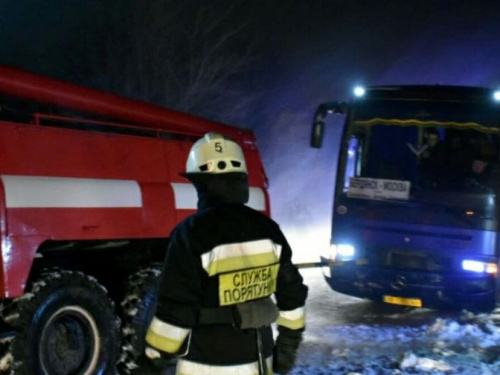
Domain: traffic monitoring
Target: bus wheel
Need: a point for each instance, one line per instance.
(64, 325)
(138, 308)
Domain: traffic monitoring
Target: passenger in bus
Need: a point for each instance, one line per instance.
(432, 159)
(448, 162)
(428, 149)
(424, 150)
(483, 175)
(431, 139)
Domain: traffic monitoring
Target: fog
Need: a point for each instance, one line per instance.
(308, 53)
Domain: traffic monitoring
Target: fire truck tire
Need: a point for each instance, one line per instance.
(64, 324)
(138, 307)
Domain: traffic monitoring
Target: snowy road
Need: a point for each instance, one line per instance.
(351, 336)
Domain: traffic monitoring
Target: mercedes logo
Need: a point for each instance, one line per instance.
(400, 282)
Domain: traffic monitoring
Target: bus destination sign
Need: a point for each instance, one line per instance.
(373, 188)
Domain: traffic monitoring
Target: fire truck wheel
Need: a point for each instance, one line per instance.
(64, 324)
(138, 307)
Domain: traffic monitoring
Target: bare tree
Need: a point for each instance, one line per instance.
(191, 56)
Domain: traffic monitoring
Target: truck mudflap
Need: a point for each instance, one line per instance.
(450, 291)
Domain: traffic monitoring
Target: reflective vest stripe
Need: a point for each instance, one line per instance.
(165, 337)
(238, 256)
(192, 368)
(293, 319)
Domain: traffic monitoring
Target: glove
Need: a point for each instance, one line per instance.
(154, 361)
(285, 349)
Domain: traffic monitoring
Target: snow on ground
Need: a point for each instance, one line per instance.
(350, 336)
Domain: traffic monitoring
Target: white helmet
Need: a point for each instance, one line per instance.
(215, 154)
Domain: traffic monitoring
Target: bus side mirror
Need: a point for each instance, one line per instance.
(318, 128)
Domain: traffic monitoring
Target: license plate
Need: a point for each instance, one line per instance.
(413, 302)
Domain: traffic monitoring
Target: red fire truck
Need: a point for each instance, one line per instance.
(89, 192)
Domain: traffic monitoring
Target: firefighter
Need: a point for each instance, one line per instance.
(223, 265)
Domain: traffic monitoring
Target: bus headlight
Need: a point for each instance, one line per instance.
(480, 267)
(359, 91)
(338, 253)
(342, 252)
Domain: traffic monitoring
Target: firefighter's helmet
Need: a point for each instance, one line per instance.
(215, 154)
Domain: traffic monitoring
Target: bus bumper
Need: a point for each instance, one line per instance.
(451, 291)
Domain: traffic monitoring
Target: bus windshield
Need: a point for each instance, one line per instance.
(437, 152)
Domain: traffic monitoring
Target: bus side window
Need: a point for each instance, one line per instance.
(353, 162)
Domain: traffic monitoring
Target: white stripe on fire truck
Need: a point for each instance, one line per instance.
(187, 199)
(62, 192)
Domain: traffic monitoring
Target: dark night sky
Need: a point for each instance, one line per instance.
(313, 51)
(328, 46)
(316, 50)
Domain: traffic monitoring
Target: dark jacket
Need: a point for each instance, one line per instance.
(225, 254)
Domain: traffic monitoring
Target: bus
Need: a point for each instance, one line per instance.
(416, 211)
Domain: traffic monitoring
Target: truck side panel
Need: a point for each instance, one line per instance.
(43, 151)
(68, 185)
(63, 184)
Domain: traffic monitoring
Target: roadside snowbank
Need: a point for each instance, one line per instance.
(350, 336)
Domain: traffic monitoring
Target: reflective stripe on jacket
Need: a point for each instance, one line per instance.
(192, 368)
(294, 319)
